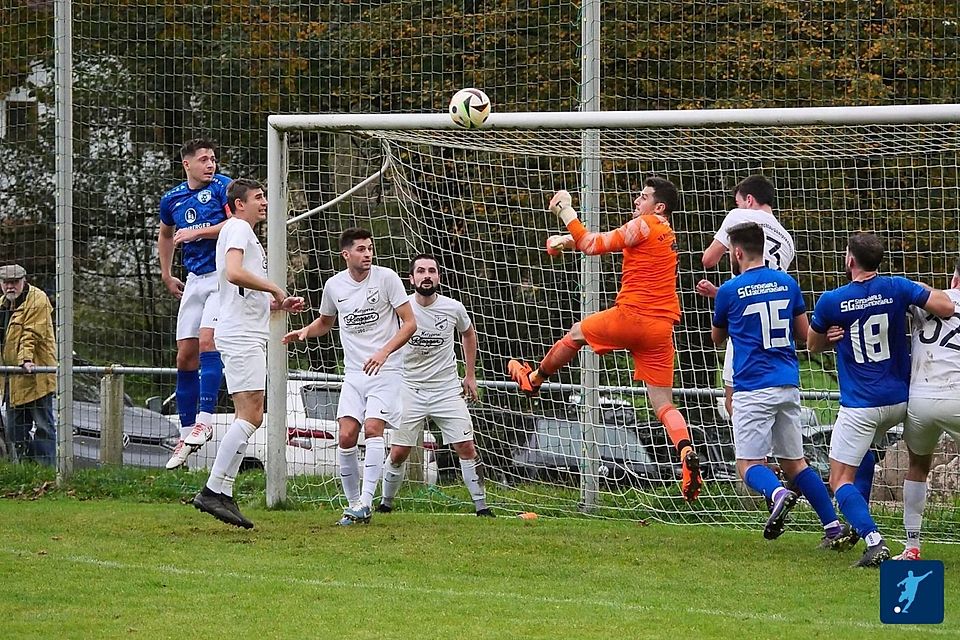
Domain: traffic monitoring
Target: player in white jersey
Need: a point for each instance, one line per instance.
(933, 407)
(432, 384)
(246, 298)
(755, 197)
(370, 303)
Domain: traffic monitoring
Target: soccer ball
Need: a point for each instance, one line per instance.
(470, 108)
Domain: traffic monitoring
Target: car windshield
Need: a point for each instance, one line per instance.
(562, 437)
(320, 402)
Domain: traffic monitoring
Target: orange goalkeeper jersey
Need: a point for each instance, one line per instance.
(649, 281)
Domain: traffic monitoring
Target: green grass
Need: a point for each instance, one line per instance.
(115, 553)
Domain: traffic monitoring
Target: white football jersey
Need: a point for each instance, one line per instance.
(243, 312)
(935, 355)
(366, 314)
(778, 249)
(429, 360)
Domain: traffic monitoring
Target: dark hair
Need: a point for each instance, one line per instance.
(664, 192)
(351, 235)
(749, 237)
(239, 189)
(956, 269)
(867, 249)
(423, 256)
(190, 147)
(759, 187)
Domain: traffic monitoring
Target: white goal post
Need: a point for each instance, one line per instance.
(479, 197)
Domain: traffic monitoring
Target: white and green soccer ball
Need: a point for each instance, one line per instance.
(470, 108)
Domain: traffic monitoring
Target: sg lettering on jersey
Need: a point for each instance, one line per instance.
(856, 304)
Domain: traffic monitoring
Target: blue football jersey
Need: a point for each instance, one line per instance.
(186, 208)
(873, 357)
(757, 309)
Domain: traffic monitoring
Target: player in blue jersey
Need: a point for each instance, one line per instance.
(762, 311)
(865, 321)
(191, 215)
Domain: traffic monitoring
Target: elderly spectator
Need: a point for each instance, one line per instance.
(28, 342)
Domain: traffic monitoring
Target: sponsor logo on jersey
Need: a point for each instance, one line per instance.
(426, 340)
(204, 196)
(361, 319)
(190, 216)
(373, 295)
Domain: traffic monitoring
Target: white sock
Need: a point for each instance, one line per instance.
(205, 418)
(392, 479)
(231, 476)
(185, 431)
(473, 477)
(914, 501)
(228, 451)
(372, 469)
(349, 474)
(873, 539)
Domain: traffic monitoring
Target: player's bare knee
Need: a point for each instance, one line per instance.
(373, 428)
(399, 454)
(792, 468)
(576, 332)
(465, 450)
(206, 342)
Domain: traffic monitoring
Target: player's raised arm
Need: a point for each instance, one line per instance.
(712, 254)
(939, 304)
(592, 243)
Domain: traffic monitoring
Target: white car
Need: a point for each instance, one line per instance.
(311, 435)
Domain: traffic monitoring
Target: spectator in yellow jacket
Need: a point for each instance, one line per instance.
(28, 343)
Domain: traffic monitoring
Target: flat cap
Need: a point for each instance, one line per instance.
(12, 272)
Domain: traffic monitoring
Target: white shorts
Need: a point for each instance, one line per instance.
(859, 427)
(244, 364)
(198, 306)
(728, 364)
(446, 408)
(767, 420)
(927, 418)
(379, 396)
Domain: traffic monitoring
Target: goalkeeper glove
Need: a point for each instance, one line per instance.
(557, 244)
(561, 206)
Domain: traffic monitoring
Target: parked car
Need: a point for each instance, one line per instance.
(148, 437)
(312, 433)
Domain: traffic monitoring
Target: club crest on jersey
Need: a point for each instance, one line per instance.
(373, 296)
(190, 215)
(442, 322)
(204, 196)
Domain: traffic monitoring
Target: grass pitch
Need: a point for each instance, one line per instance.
(121, 568)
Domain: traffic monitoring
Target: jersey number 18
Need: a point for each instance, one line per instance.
(869, 339)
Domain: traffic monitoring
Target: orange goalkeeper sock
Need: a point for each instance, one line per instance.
(561, 353)
(676, 427)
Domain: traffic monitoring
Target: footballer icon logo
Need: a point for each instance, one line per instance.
(373, 296)
(204, 196)
(190, 216)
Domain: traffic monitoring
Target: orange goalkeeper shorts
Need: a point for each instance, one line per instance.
(649, 340)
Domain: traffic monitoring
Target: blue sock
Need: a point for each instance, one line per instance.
(855, 509)
(211, 374)
(188, 391)
(813, 489)
(864, 479)
(761, 479)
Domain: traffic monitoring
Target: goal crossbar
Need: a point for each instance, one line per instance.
(894, 114)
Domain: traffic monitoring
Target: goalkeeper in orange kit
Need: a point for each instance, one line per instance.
(641, 321)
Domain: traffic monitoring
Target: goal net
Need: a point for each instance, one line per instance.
(590, 444)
